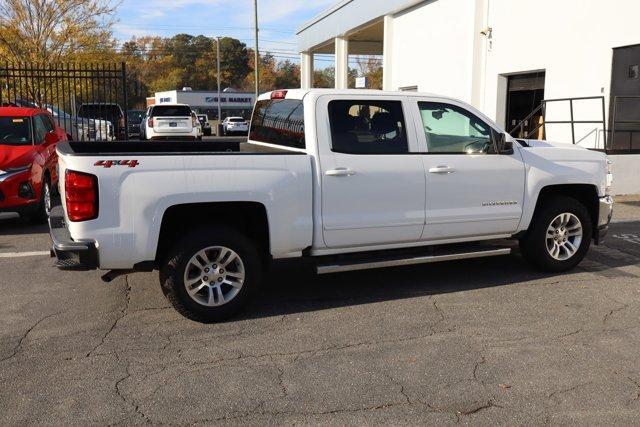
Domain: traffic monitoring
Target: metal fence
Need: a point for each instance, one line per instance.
(572, 122)
(89, 101)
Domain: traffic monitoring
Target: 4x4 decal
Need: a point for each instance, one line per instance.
(109, 163)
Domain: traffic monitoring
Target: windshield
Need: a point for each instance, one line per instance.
(135, 117)
(171, 111)
(56, 112)
(236, 119)
(15, 130)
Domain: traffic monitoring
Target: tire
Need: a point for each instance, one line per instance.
(43, 208)
(180, 264)
(565, 248)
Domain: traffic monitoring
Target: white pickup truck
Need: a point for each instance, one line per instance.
(345, 179)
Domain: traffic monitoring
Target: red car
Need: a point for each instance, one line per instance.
(28, 161)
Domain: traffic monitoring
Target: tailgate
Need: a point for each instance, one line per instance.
(172, 124)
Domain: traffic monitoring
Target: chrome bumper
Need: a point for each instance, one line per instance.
(605, 212)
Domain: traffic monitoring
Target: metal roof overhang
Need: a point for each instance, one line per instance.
(346, 17)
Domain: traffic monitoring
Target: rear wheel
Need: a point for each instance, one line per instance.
(211, 274)
(559, 236)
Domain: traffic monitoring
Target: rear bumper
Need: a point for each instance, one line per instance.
(605, 213)
(69, 254)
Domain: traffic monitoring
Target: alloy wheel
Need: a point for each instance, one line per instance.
(214, 276)
(564, 236)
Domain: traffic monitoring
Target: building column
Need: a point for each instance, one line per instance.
(306, 70)
(342, 63)
(387, 54)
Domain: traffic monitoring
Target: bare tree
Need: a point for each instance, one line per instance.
(48, 31)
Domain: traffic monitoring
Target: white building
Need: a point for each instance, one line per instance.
(504, 57)
(206, 102)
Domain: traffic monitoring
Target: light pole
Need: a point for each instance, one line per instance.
(257, 58)
(218, 67)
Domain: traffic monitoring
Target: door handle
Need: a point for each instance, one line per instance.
(340, 172)
(442, 169)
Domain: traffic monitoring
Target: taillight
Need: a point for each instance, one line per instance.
(81, 195)
(278, 94)
(150, 122)
(194, 122)
(121, 122)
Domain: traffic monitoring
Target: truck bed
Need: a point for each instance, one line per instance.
(142, 148)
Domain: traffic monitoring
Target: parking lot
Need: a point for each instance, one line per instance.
(478, 342)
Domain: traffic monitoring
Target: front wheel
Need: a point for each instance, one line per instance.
(559, 236)
(44, 206)
(211, 274)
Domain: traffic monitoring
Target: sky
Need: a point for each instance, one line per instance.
(278, 20)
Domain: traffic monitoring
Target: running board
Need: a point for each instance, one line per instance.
(364, 265)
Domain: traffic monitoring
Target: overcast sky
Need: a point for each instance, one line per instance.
(278, 20)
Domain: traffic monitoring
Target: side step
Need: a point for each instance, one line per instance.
(423, 259)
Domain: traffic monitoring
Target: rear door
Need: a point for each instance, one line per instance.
(172, 119)
(471, 190)
(373, 182)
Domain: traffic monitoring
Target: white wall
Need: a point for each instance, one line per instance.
(572, 40)
(626, 178)
(438, 47)
(432, 47)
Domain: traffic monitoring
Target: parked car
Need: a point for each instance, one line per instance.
(81, 129)
(28, 161)
(168, 122)
(110, 112)
(206, 126)
(134, 119)
(353, 180)
(77, 128)
(235, 125)
(197, 126)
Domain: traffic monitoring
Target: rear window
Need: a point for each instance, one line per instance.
(171, 111)
(237, 120)
(279, 122)
(97, 111)
(15, 130)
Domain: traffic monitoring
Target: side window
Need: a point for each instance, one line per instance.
(453, 130)
(367, 127)
(40, 129)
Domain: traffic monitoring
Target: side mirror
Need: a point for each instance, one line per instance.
(504, 146)
(50, 138)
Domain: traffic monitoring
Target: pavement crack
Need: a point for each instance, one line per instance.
(576, 332)
(567, 390)
(123, 312)
(481, 407)
(607, 316)
(126, 400)
(18, 346)
(636, 383)
(283, 387)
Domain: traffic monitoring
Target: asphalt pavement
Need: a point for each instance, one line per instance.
(486, 341)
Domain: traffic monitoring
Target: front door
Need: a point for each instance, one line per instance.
(471, 190)
(373, 183)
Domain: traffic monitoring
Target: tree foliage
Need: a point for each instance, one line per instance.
(49, 31)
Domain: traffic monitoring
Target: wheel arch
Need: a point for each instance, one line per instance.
(586, 194)
(248, 218)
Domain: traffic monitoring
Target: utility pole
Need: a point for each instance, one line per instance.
(218, 68)
(257, 56)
